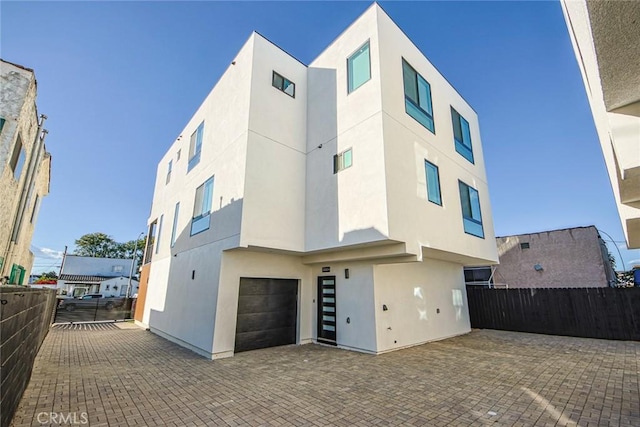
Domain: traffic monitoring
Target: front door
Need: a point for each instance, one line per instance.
(327, 309)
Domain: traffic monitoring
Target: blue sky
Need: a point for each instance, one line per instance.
(120, 80)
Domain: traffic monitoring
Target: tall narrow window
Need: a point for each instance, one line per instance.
(1, 124)
(417, 97)
(462, 135)
(195, 146)
(342, 161)
(17, 159)
(359, 67)
(36, 209)
(174, 228)
(159, 233)
(471, 214)
(151, 239)
(202, 207)
(433, 183)
(169, 169)
(284, 84)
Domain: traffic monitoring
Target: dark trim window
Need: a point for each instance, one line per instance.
(462, 135)
(417, 97)
(525, 245)
(2, 124)
(201, 219)
(283, 84)
(359, 68)
(471, 213)
(195, 147)
(151, 241)
(342, 161)
(433, 183)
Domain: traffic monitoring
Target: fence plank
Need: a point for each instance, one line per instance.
(609, 313)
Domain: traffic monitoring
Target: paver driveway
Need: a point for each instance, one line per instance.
(131, 377)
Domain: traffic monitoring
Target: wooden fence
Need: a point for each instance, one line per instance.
(609, 313)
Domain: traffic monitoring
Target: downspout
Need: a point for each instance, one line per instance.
(38, 143)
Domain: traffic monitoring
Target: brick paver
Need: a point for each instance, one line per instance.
(126, 377)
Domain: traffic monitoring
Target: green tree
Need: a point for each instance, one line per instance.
(96, 245)
(125, 250)
(50, 275)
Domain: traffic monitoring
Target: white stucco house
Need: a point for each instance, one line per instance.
(332, 202)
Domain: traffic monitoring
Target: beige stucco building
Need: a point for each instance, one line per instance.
(567, 258)
(24, 169)
(606, 41)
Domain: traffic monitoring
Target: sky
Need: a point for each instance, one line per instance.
(119, 81)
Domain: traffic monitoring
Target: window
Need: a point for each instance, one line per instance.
(175, 224)
(117, 268)
(36, 209)
(1, 123)
(417, 97)
(195, 146)
(151, 238)
(342, 161)
(169, 169)
(17, 159)
(462, 135)
(285, 85)
(159, 233)
(471, 215)
(202, 207)
(433, 183)
(524, 245)
(359, 67)
(478, 275)
(178, 155)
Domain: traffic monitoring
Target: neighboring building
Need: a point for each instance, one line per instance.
(606, 41)
(82, 275)
(334, 202)
(24, 170)
(568, 258)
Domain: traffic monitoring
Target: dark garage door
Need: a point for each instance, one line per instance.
(267, 313)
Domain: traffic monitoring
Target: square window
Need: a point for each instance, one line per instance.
(283, 84)
(524, 245)
(342, 161)
(359, 67)
(417, 97)
(471, 213)
(462, 135)
(433, 183)
(202, 207)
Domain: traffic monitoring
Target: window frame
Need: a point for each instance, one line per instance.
(350, 87)
(471, 219)
(284, 79)
(416, 104)
(18, 158)
(462, 148)
(427, 163)
(169, 170)
(200, 217)
(338, 160)
(174, 227)
(196, 141)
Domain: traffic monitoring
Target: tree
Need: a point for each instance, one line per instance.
(96, 245)
(50, 275)
(103, 246)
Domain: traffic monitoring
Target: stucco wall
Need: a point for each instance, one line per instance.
(414, 293)
(570, 258)
(18, 108)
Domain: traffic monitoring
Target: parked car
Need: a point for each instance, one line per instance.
(91, 301)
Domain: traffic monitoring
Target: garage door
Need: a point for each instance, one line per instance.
(267, 313)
